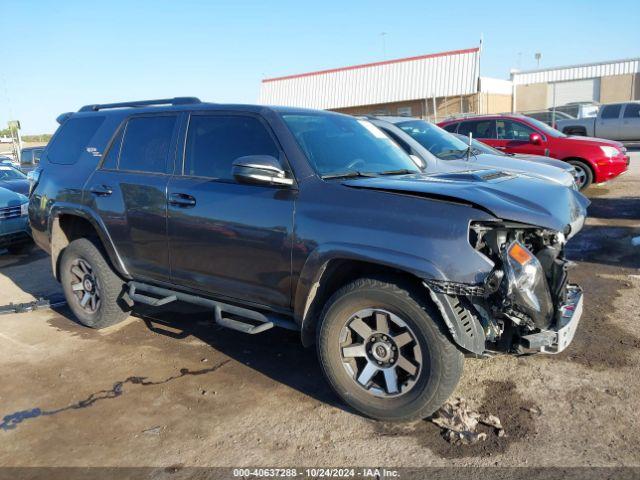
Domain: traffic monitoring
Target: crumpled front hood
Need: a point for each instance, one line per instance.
(506, 195)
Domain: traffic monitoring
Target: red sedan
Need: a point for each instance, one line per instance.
(596, 160)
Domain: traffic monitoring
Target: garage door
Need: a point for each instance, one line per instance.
(574, 91)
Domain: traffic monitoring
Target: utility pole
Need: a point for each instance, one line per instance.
(538, 56)
(383, 36)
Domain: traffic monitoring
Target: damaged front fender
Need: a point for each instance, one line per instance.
(463, 324)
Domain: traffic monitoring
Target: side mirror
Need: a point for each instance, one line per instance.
(535, 139)
(261, 170)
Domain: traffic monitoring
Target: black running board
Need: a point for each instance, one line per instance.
(163, 296)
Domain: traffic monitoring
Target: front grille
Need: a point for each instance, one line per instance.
(7, 213)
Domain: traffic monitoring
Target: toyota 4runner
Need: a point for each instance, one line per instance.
(311, 221)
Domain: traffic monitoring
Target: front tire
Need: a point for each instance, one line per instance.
(584, 174)
(385, 352)
(92, 289)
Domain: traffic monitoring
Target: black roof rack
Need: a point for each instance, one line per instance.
(141, 103)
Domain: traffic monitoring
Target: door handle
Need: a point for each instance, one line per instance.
(101, 190)
(182, 200)
(500, 148)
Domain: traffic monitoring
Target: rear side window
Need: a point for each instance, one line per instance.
(111, 158)
(632, 110)
(215, 141)
(452, 127)
(72, 139)
(479, 128)
(146, 144)
(611, 111)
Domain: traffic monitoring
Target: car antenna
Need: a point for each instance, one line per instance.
(469, 147)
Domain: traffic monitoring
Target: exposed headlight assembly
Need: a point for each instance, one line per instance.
(527, 285)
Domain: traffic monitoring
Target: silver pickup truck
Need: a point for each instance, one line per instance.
(616, 121)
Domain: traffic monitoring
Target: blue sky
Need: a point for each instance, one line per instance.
(58, 56)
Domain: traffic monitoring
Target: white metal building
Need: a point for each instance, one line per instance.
(604, 82)
(427, 85)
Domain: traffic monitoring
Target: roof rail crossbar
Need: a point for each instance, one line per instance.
(142, 103)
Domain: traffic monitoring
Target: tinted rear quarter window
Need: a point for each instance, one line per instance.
(146, 144)
(72, 139)
(632, 110)
(215, 141)
(110, 161)
(611, 111)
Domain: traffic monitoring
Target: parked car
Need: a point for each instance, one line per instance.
(596, 160)
(29, 158)
(483, 148)
(579, 109)
(313, 221)
(441, 151)
(616, 121)
(549, 116)
(14, 221)
(13, 179)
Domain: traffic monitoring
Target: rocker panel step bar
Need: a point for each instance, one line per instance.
(165, 296)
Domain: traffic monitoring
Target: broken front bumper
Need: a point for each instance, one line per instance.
(560, 335)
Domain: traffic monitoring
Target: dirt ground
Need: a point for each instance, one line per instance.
(172, 390)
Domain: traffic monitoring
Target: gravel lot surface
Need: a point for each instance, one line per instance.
(171, 390)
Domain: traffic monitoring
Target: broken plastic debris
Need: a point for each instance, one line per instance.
(459, 423)
(152, 431)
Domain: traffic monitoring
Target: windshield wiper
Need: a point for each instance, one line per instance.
(349, 174)
(402, 171)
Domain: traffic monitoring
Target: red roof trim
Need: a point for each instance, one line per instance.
(375, 64)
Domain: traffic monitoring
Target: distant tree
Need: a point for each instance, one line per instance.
(45, 137)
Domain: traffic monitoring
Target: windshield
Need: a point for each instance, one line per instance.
(552, 132)
(338, 145)
(438, 141)
(479, 146)
(10, 173)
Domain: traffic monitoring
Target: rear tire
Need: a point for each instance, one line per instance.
(92, 289)
(585, 175)
(394, 325)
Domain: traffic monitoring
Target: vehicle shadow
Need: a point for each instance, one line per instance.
(276, 353)
(627, 208)
(607, 245)
(27, 276)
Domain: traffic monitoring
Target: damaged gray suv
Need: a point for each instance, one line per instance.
(311, 221)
